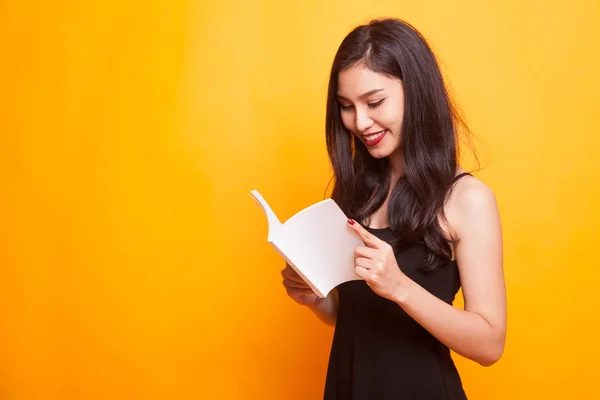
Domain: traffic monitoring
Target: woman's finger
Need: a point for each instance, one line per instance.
(363, 262)
(296, 292)
(362, 272)
(367, 237)
(288, 272)
(294, 284)
(365, 252)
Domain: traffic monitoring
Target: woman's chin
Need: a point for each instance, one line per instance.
(379, 153)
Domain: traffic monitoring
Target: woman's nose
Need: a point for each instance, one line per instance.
(363, 121)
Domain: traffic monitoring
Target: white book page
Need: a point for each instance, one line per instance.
(319, 242)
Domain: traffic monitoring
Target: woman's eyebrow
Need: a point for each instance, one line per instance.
(362, 96)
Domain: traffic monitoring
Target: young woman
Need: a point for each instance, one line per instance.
(429, 228)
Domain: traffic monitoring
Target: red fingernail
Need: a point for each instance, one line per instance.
(351, 221)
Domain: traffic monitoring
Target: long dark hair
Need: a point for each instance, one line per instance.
(429, 139)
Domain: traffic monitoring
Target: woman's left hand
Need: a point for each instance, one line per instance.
(376, 264)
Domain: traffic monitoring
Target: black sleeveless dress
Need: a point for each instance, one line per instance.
(379, 352)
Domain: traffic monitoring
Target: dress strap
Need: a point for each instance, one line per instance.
(457, 177)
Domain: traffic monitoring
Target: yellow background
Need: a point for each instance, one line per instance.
(133, 265)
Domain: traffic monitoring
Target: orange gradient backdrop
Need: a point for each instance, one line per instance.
(133, 263)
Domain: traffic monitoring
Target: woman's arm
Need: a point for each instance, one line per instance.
(326, 309)
(478, 332)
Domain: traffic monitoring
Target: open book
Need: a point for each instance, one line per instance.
(316, 242)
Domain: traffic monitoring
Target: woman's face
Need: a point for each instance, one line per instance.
(372, 108)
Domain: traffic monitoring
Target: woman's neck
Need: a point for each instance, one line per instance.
(396, 166)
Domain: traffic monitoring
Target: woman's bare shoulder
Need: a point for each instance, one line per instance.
(470, 200)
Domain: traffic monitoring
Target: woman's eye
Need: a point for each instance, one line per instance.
(376, 104)
(370, 105)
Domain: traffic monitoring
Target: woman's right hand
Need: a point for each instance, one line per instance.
(297, 289)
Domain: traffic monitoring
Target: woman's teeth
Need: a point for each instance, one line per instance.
(375, 136)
